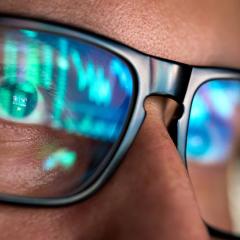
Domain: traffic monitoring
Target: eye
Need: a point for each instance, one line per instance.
(73, 100)
(22, 103)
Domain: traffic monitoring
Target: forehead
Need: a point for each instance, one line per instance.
(195, 32)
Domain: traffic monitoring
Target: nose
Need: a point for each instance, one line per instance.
(150, 196)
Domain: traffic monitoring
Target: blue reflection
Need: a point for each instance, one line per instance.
(100, 89)
(210, 132)
(119, 69)
(220, 100)
(199, 141)
(86, 89)
(198, 112)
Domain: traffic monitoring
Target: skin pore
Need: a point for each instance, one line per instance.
(149, 196)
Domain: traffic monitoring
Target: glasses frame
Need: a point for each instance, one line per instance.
(154, 76)
(198, 78)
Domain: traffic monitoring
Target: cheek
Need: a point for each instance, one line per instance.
(87, 220)
(24, 151)
(142, 200)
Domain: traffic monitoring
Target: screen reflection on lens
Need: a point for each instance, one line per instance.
(64, 105)
(213, 157)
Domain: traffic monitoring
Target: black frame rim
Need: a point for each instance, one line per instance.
(120, 48)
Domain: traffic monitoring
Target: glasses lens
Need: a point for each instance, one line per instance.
(213, 152)
(64, 104)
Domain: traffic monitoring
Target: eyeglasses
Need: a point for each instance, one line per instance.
(72, 103)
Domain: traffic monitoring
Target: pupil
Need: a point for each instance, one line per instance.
(18, 100)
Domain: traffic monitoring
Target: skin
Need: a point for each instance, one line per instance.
(150, 196)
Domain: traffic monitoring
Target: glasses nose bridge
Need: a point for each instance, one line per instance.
(169, 79)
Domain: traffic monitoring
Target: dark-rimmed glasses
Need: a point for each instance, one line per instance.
(81, 97)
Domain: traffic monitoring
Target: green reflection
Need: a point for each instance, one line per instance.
(61, 85)
(10, 61)
(17, 100)
(62, 157)
(32, 66)
(47, 66)
(93, 78)
(29, 33)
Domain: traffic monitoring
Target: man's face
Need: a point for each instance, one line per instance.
(149, 196)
